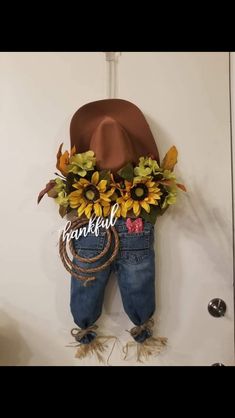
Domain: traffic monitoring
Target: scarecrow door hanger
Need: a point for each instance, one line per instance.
(113, 185)
(114, 190)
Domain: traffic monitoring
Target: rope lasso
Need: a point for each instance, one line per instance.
(73, 268)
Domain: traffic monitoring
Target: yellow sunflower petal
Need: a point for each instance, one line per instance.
(81, 209)
(79, 189)
(145, 206)
(151, 200)
(75, 199)
(103, 196)
(155, 195)
(84, 182)
(78, 186)
(129, 204)
(98, 209)
(110, 192)
(95, 178)
(120, 200)
(104, 202)
(73, 205)
(74, 194)
(123, 211)
(136, 208)
(88, 210)
(150, 184)
(106, 210)
(118, 213)
(102, 185)
(83, 203)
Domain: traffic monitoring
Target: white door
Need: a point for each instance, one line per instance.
(185, 98)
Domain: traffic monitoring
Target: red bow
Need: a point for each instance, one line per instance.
(135, 226)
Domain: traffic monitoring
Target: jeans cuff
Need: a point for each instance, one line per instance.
(84, 335)
(90, 336)
(142, 336)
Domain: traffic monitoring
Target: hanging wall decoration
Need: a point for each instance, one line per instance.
(113, 187)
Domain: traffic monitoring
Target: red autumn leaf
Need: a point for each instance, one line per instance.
(48, 187)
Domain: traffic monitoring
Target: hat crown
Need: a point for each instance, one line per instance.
(108, 142)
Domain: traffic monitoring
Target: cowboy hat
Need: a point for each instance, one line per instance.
(116, 130)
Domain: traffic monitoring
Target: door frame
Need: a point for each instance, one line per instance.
(231, 57)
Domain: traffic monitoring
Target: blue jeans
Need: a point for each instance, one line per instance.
(135, 270)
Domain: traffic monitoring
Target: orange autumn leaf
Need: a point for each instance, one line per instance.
(171, 183)
(73, 151)
(170, 159)
(166, 182)
(181, 186)
(59, 153)
(63, 159)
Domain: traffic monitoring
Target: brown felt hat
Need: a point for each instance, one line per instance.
(116, 130)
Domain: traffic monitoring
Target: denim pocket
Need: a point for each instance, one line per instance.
(136, 247)
(89, 246)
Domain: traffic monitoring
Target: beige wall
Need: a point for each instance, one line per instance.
(185, 99)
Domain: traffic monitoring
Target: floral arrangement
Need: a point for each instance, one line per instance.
(144, 190)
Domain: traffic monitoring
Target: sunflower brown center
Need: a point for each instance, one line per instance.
(91, 193)
(139, 192)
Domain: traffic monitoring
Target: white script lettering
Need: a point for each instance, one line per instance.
(94, 225)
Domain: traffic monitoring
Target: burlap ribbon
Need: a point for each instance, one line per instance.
(150, 347)
(147, 326)
(79, 333)
(96, 346)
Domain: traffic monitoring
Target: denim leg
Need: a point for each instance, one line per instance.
(135, 268)
(86, 301)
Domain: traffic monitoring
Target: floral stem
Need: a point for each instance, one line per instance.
(64, 178)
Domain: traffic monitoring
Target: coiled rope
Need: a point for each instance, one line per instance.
(73, 268)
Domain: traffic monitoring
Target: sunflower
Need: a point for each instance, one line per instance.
(91, 196)
(141, 194)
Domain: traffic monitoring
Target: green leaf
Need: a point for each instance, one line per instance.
(105, 175)
(127, 172)
(162, 211)
(152, 216)
(154, 213)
